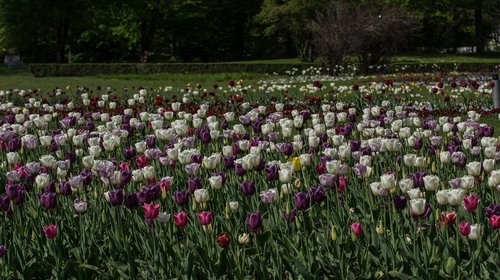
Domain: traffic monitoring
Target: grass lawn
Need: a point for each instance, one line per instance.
(23, 79)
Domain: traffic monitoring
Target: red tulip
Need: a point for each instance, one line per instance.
(495, 221)
(205, 217)
(343, 182)
(181, 219)
(124, 166)
(224, 239)
(151, 211)
(448, 218)
(158, 99)
(464, 228)
(357, 229)
(50, 231)
(141, 161)
(470, 202)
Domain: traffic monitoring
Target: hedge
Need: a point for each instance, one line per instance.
(92, 69)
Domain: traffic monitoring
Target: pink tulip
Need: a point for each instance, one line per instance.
(470, 202)
(151, 211)
(464, 228)
(205, 217)
(495, 221)
(357, 229)
(50, 231)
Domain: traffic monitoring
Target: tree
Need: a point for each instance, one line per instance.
(372, 32)
(291, 18)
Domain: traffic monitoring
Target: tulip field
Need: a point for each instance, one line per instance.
(302, 176)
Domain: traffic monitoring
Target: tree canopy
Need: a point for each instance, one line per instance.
(214, 30)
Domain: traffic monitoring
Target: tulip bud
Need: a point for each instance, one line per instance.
(333, 233)
(244, 239)
(380, 228)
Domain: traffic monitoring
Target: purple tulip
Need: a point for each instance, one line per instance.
(150, 140)
(327, 180)
(15, 144)
(359, 169)
(455, 183)
(181, 197)
(129, 152)
(87, 177)
(301, 200)
(48, 200)
(238, 168)
(197, 158)
(290, 216)
(16, 193)
(204, 135)
(268, 196)
(248, 188)
(274, 137)
(228, 162)
(32, 168)
(418, 179)
(65, 188)
(355, 145)
(271, 172)
(492, 209)
(193, 184)
(400, 202)
(4, 203)
(244, 120)
(131, 200)
(261, 166)
(115, 197)
(254, 221)
(149, 193)
(317, 193)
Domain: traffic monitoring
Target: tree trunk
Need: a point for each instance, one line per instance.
(61, 40)
(478, 22)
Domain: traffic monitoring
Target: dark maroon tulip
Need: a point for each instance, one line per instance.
(400, 202)
(3, 250)
(129, 152)
(489, 131)
(48, 200)
(204, 135)
(115, 197)
(248, 188)
(228, 162)
(181, 197)
(492, 209)
(87, 176)
(254, 221)
(290, 216)
(271, 172)
(149, 193)
(238, 169)
(126, 176)
(4, 203)
(131, 201)
(16, 193)
(261, 166)
(223, 239)
(317, 193)
(418, 144)
(301, 200)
